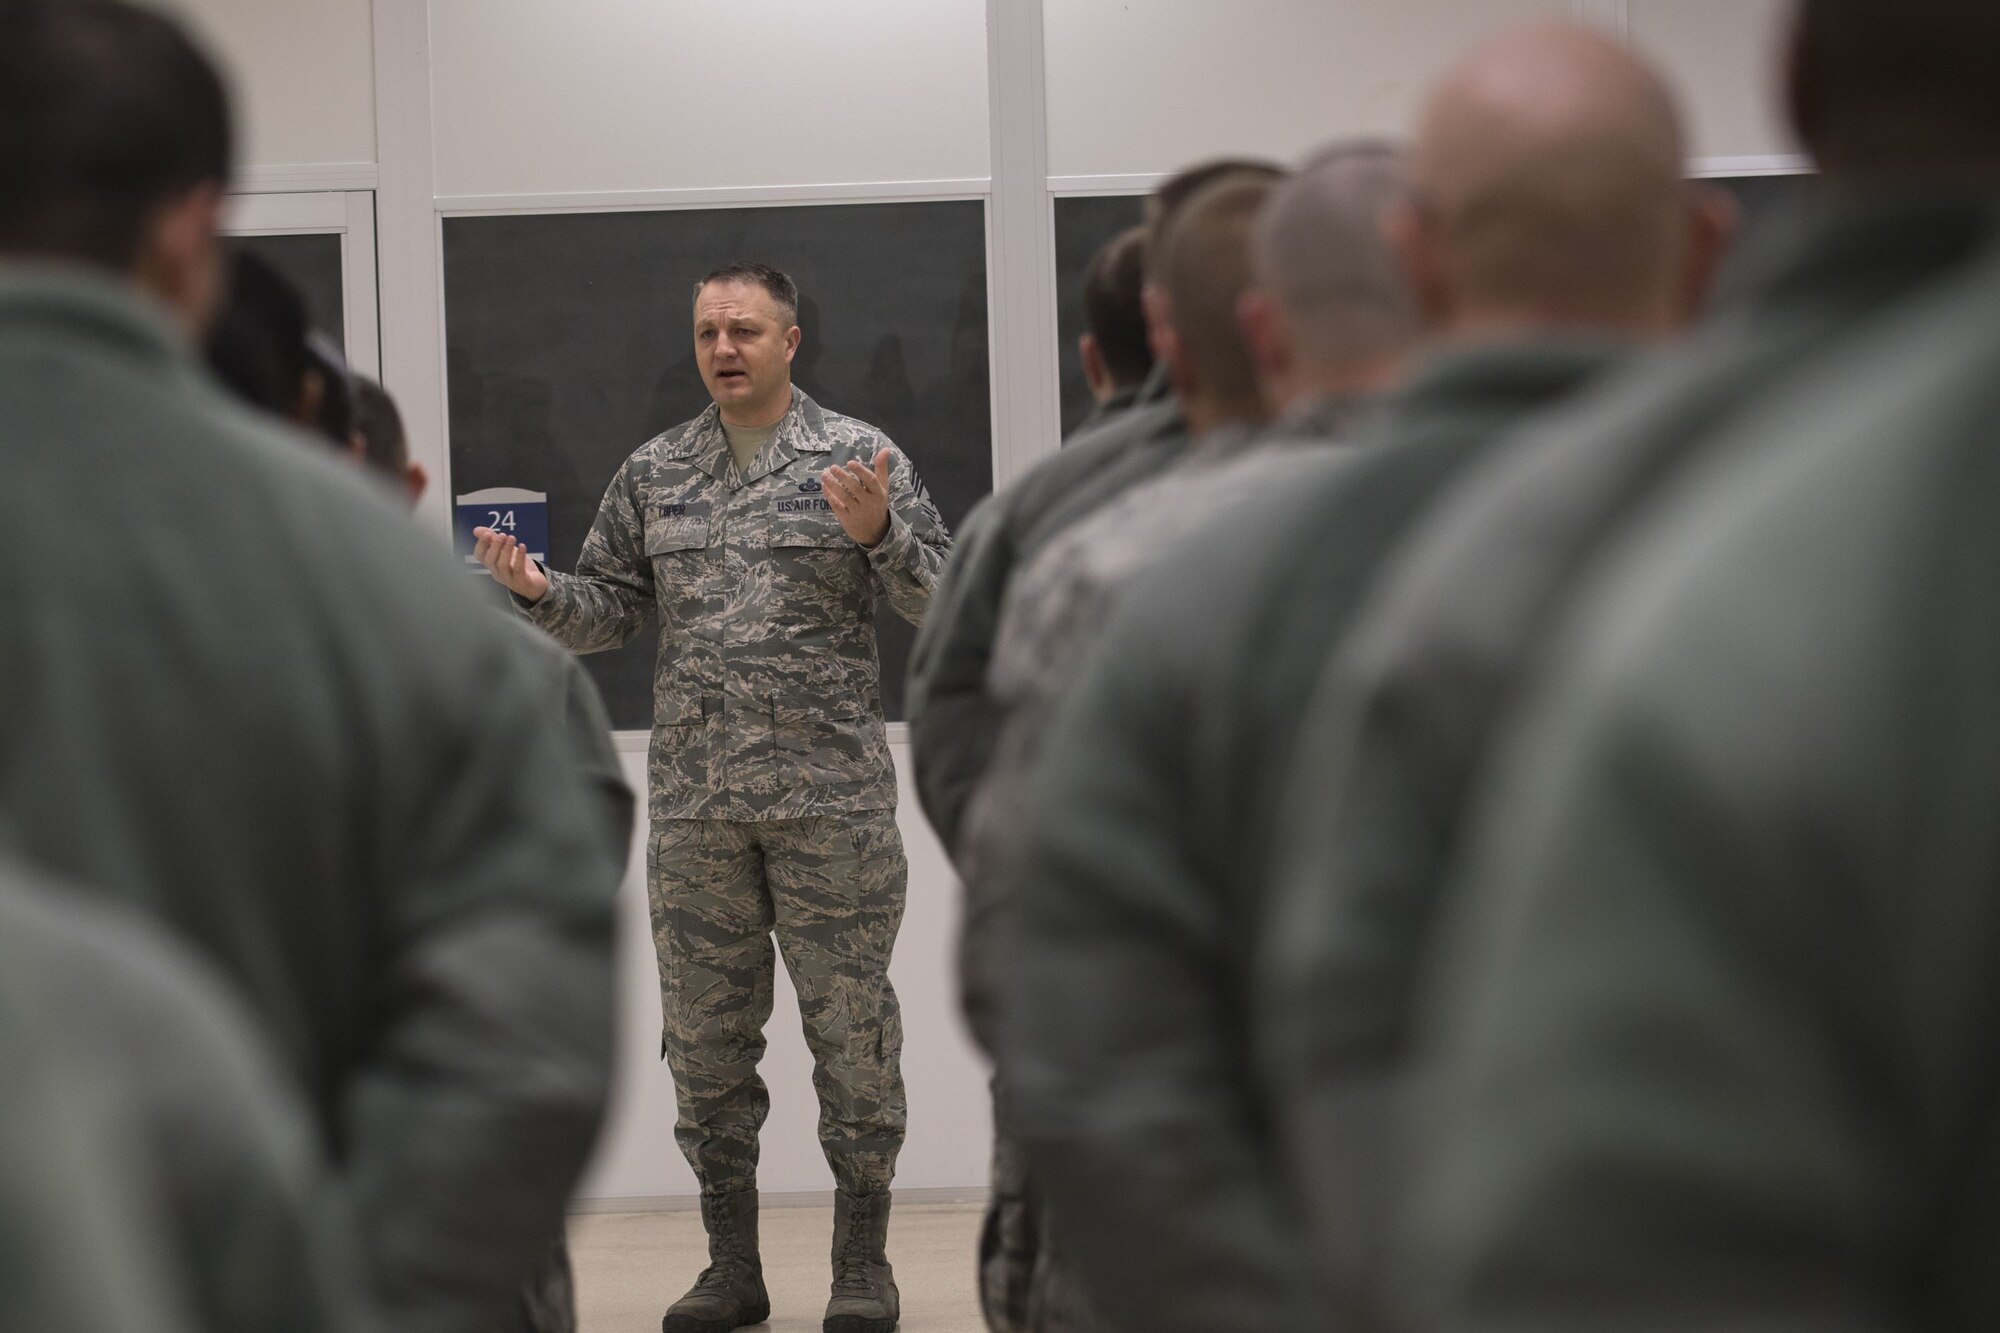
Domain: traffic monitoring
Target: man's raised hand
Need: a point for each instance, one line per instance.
(507, 560)
(860, 497)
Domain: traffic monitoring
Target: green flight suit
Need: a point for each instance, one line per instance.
(1138, 885)
(1402, 721)
(1709, 1040)
(185, 1182)
(953, 719)
(252, 698)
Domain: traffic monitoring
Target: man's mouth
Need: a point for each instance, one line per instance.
(732, 375)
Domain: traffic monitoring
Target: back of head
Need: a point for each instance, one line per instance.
(1114, 309)
(1549, 185)
(107, 112)
(1202, 270)
(380, 426)
(1910, 86)
(258, 345)
(1321, 253)
(1173, 194)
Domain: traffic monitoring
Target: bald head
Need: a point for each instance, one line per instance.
(1548, 174)
(1319, 254)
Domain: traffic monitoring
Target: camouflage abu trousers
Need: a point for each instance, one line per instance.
(831, 889)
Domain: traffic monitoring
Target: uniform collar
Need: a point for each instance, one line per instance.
(96, 305)
(802, 430)
(1513, 375)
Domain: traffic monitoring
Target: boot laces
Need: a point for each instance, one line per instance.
(718, 1279)
(852, 1276)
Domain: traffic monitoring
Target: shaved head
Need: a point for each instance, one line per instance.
(1202, 270)
(1320, 251)
(1548, 173)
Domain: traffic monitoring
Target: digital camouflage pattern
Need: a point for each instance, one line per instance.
(832, 889)
(767, 700)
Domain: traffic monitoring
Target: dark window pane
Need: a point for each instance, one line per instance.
(569, 344)
(1083, 224)
(312, 261)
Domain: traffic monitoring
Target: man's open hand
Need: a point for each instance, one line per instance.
(859, 496)
(507, 560)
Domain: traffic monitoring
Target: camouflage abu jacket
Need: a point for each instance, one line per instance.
(767, 700)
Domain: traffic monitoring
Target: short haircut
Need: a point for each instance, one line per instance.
(258, 345)
(1321, 252)
(1914, 77)
(380, 426)
(783, 291)
(1173, 193)
(1114, 309)
(107, 111)
(1203, 267)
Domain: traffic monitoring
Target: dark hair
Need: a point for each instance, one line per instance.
(1174, 192)
(258, 346)
(107, 111)
(380, 427)
(784, 292)
(1114, 310)
(1912, 84)
(263, 347)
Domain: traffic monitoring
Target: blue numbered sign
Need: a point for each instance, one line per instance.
(522, 515)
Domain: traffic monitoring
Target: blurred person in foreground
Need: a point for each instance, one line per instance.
(1548, 237)
(1707, 1040)
(1248, 327)
(270, 713)
(158, 1171)
(1904, 125)
(953, 719)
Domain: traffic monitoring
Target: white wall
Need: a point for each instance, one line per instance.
(1147, 88)
(1724, 57)
(303, 74)
(532, 97)
(950, 1118)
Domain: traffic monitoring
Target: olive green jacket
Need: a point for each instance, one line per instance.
(159, 1170)
(1138, 886)
(1401, 724)
(1709, 1041)
(954, 721)
(248, 695)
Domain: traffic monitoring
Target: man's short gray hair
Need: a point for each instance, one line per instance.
(1321, 251)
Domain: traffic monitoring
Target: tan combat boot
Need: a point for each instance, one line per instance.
(730, 1291)
(864, 1289)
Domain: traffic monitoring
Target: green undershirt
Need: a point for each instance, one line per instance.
(746, 442)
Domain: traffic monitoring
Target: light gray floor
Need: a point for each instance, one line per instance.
(631, 1266)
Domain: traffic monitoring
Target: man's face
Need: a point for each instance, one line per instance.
(744, 346)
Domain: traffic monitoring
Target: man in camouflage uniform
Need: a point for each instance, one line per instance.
(763, 533)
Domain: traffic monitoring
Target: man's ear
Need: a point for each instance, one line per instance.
(1094, 373)
(1411, 231)
(1168, 349)
(792, 339)
(416, 479)
(180, 260)
(1267, 335)
(1714, 220)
